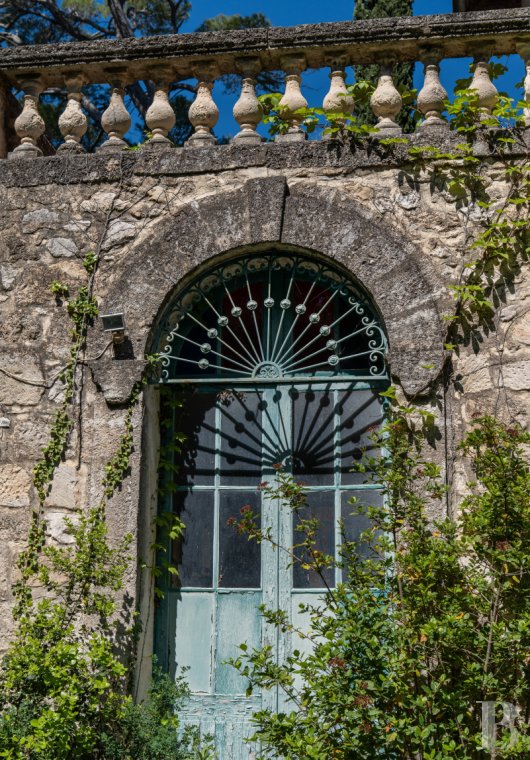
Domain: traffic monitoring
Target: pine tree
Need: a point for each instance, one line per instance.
(402, 72)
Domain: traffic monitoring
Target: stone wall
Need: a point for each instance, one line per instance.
(153, 218)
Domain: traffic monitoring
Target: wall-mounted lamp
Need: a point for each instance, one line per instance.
(115, 324)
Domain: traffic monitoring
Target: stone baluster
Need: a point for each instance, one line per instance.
(337, 100)
(72, 122)
(160, 117)
(386, 103)
(29, 125)
(487, 93)
(432, 96)
(203, 113)
(116, 120)
(248, 111)
(524, 52)
(293, 100)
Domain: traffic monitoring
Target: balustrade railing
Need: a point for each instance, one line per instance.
(162, 61)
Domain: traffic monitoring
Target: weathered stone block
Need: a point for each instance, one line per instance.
(12, 390)
(15, 484)
(118, 233)
(516, 375)
(67, 487)
(8, 276)
(13, 525)
(57, 529)
(79, 225)
(62, 247)
(42, 218)
(116, 378)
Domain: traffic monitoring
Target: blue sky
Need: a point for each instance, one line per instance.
(290, 12)
(315, 83)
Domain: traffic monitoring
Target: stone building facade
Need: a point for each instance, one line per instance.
(159, 215)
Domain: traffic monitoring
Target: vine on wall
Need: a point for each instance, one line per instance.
(502, 245)
(65, 680)
(81, 309)
(432, 619)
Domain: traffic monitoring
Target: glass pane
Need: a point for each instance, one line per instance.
(196, 420)
(193, 555)
(238, 622)
(356, 524)
(276, 411)
(320, 506)
(241, 438)
(313, 436)
(239, 558)
(361, 413)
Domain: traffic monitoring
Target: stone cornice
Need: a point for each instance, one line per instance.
(182, 162)
(396, 39)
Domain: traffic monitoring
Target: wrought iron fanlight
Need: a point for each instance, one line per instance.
(271, 317)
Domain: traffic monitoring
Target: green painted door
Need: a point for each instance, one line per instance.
(234, 437)
(278, 357)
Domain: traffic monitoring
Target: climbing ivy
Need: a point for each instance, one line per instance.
(81, 309)
(502, 244)
(167, 524)
(64, 681)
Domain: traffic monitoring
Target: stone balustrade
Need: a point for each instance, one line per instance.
(204, 57)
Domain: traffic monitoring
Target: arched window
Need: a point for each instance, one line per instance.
(269, 358)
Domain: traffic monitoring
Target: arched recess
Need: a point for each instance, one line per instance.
(266, 212)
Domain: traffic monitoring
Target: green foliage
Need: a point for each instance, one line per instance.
(48, 22)
(432, 617)
(169, 526)
(338, 125)
(502, 245)
(222, 23)
(64, 679)
(150, 729)
(117, 467)
(61, 681)
(402, 73)
(382, 8)
(59, 289)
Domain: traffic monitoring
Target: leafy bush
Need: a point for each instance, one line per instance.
(64, 680)
(433, 619)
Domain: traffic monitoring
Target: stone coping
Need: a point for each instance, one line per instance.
(70, 169)
(498, 32)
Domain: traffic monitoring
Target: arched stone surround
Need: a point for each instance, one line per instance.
(303, 215)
